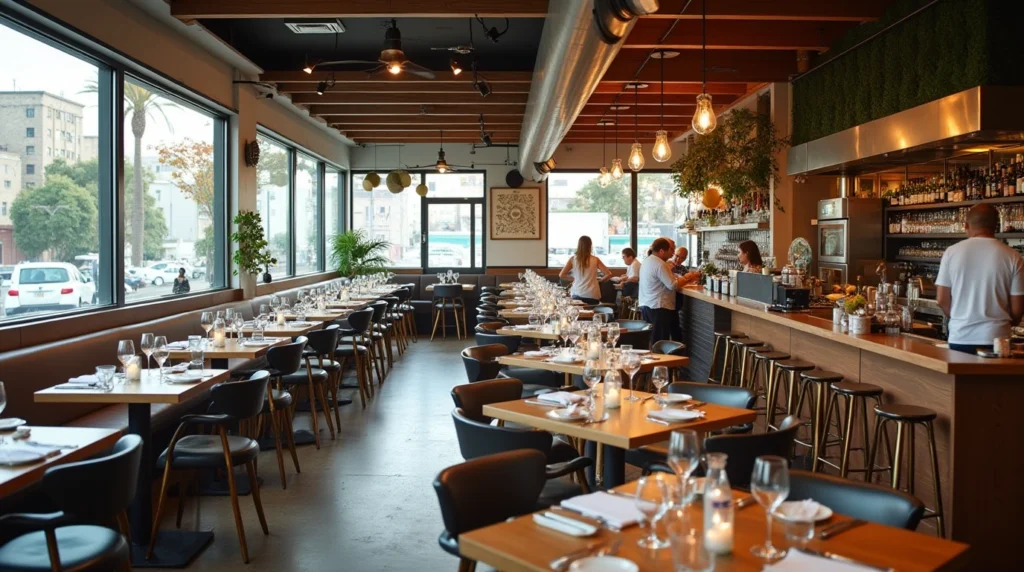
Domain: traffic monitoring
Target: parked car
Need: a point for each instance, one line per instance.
(160, 273)
(47, 286)
(5, 276)
(134, 280)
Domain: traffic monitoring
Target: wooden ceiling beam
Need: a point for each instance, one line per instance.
(443, 77)
(407, 87)
(371, 121)
(475, 134)
(748, 66)
(737, 35)
(196, 9)
(816, 10)
(389, 99)
(678, 88)
(651, 96)
(436, 109)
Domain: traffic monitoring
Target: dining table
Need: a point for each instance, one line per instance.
(326, 315)
(74, 444)
(465, 287)
(648, 361)
(518, 314)
(174, 548)
(522, 545)
(290, 329)
(519, 302)
(626, 427)
(535, 332)
(232, 349)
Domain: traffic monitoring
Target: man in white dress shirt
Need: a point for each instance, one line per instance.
(657, 297)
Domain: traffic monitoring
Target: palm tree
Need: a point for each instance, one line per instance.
(140, 103)
(355, 254)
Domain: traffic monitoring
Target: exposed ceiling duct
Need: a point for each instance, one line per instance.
(579, 42)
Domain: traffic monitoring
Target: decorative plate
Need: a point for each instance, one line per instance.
(800, 253)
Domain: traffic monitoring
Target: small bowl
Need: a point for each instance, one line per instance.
(603, 564)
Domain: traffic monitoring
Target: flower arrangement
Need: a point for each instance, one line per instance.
(855, 305)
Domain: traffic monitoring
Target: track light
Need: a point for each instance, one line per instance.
(309, 68)
(321, 88)
(482, 87)
(456, 68)
(395, 68)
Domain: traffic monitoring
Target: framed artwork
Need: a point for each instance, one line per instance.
(515, 213)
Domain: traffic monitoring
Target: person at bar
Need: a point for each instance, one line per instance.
(750, 257)
(678, 261)
(657, 295)
(628, 281)
(980, 285)
(582, 270)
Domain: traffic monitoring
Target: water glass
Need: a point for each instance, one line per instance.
(105, 376)
(659, 377)
(197, 355)
(799, 532)
(591, 375)
(686, 539)
(683, 457)
(769, 483)
(652, 499)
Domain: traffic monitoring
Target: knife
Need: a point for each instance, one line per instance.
(840, 558)
(840, 527)
(562, 562)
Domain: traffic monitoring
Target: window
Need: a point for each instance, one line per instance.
(660, 211)
(390, 217)
(333, 185)
(273, 200)
(307, 215)
(30, 169)
(578, 205)
(7, 184)
(175, 221)
(454, 226)
(455, 185)
(3, 206)
(30, 112)
(30, 149)
(30, 132)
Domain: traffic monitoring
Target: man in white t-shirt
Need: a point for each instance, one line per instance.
(628, 281)
(980, 284)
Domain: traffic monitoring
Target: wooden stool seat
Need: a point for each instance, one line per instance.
(821, 376)
(745, 342)
(856, 389)
(729, 334)
(770, 355)
(911, 413)
(794, 365)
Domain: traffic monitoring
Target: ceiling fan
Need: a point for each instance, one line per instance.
(392, 58)
(442, 165)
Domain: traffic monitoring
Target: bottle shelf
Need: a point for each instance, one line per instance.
(940, 206)
(919, 259)
(732, 227)
(950, 236)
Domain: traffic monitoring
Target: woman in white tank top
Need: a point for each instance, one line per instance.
(582, 268)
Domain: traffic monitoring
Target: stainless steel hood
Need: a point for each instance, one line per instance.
(980, 117)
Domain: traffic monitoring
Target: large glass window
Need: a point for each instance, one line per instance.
(660, 210)
(55, 249)
(273, 200)
(455, 185)
(578, 205)
(391, 217)
(307, 215)
(333, 193)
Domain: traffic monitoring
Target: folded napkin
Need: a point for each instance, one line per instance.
(564, 358)
(560, 397)
(79, 386)
(536, 354)
(31, 448)
(88, 379)
(675, 415)
(524, 327)
(618, 511)
(177, 345)
(800, 511)
(180, 368)
(797, 561)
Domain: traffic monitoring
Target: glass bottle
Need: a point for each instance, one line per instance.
(893, 317)
(718, 507)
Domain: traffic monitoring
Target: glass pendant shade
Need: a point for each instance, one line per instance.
(604, 178)
(616, 171)
(662, 151)
(636, 157)
(704, 120)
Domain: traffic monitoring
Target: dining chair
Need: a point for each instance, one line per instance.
(87, 531)
(481, 362)
(378, 334)
(467, 494)
(448, 297)
(867, 501)
(396, 323)
(408, 313)
(353, 344)
(636, 333)
(510, 342)
(320, 345)
(232, 403)
(471, 397)
(491, 327)
(277, 407)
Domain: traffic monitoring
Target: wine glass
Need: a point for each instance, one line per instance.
(683, 456)
(146, 344)
(659, 377)
(591, 375)
(125, 351)
(613, 333)
(238, 321)
(206, 321)
(652, 499)
(574, 334)
(535, 319)
(769, 483)
(630, 363)
(161, 352)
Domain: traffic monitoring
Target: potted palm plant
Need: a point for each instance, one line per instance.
(252, 255)
(355, 254)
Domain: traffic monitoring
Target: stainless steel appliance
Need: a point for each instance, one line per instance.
(849, 238)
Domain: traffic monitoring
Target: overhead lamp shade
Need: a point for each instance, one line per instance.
(374, 179)
(394, 182)
(616, 171)
(636, 157)
(704, 120)
(405, 178)
(604, 178)
(662, 151)
(367, 184)
(421, 190)
(712, 197)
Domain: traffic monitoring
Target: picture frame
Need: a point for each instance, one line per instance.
(515, 213)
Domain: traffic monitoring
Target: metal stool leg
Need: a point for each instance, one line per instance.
(818, 427)
(714, 361)
(935, 474)
(851, 409)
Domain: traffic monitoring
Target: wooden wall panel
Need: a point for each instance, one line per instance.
(825, 354)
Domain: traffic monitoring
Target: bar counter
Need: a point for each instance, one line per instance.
(980, 450)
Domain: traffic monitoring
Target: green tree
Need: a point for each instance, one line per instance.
(613, 199)
(59, 217)
(194, 175)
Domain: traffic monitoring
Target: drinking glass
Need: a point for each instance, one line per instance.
(769, 483)
(613, 333)
(146, 344)
(206, 320)
(686, 539)
(630, 363)
(125, 350)
(574, 334)
(599, 318)
(659, 377)
(683, 456)
(652, 499)
(105, 376)
(535, 319)
(160, 353)
(197, 355)
(591, 375)
(238, 322)
(275, 301)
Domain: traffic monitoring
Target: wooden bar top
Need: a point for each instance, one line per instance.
(914, 351)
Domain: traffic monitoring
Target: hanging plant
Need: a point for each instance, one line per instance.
(738, 158)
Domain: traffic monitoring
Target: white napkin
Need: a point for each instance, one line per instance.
(564, 358)
(618, 511)
(524, 327)
(180, 368)
(33, 447)
(800, 511)
(178, 345)
(88, 379)
(797, 561)
(560, 397)
(537, 353)
(674, 415)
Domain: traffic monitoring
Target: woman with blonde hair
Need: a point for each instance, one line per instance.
(582, 269)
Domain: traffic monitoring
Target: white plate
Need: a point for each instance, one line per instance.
(673, 398)
(11, 423)
(184, 378)
(564, 415)
(604, 564)
(823, 511)
(640, 352)
(565, 360)
(252, 344)
(14, 457)
(674, 415)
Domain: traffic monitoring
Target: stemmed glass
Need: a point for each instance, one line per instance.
(125, 352)
(161, 352)
(591, 375)
(613, 333)
(146, 345)
(630, 363)
(574, 334)
(238, 322)
(206, 321)
(683, 456)
(652, 499)
(659, 377)
(564, 334)
(769, 483)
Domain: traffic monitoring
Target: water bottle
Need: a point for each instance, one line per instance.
(718, 508)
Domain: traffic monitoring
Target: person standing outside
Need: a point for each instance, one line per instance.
(657, 296)
(980, 284)
(582, 269)
(181, 285)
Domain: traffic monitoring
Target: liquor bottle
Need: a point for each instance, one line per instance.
(1020, 174)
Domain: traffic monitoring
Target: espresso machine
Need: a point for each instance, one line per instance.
(849, 238)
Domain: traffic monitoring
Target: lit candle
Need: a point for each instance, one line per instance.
(133, 370)
(557, 326)
(594, 349)
(612, 389)
(280, 317)
(718, 538)
(219, 338)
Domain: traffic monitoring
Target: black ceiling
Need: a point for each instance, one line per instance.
(272, 46)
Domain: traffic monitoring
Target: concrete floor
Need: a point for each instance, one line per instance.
(362, 502)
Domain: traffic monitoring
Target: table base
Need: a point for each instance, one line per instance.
(173, 549)
(614, 466)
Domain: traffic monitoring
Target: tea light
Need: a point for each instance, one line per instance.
(557, 327)
(219, 339)
(280, 318)
(133, 370)
(594, 349)
(718, 538)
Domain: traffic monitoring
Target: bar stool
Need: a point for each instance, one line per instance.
(764, 363)
(906, 417)
(740, 349)
(790, 367)
(722, 338)
(853, 393)
(818, 381)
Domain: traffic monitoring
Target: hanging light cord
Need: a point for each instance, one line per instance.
(616, 133)
(636, 111)
(663, 91)
(704, 44)
(604, 143)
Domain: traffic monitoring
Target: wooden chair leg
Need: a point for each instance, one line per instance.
(360, 379)
(335, 390)
(254, 484)
(312, 409)
(275, 427)
(159, 507)
(467, 565)
(182, 496)
(437, 317)
(124, 527)
(289, 434)
(232, 488)
(326, 408)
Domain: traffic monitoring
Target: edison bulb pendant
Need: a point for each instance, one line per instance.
(616, 171)
(604, 178)
(636, 157)
(704, 120)
(662, 151)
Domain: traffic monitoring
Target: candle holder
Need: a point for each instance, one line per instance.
(220, 335)
(612, 388)
(133, 369)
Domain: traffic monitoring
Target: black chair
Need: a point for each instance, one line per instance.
(510, 342)
(408, 313)
(487, 491)
(492, 289)
(485, 305)
(91, 497)
(277, 408)
(867, 501)
(489, 327)
(381, 346)
(481, 363)
(233, 403)
(448, 297)
(485, 317)
(471, 397)
(478, 439)
(352, 345)
(669, 347)
(395, 329)
(320, 344)
(606, 310)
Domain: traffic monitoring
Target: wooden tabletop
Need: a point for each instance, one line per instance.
(509, 284)
(523, 546)
(513, 315)
(231, 350)
(543, 334)
(350, 305)
(465, 287)
(149, 390)
(288, 330)
(90, 441)
(626, 427)
(646, 365)
(321, 315)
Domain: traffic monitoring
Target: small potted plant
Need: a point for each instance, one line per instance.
(856, 311)
(708, 271)
(253, 253)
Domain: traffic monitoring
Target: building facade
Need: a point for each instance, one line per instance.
(10, 185)
(40, 127)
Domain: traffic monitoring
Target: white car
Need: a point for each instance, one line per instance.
(47, 287)
(160, 273)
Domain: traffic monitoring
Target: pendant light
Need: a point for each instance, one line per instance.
(372, 179)
(616, 171)
(662, 151)
(441, 165)
(604, 178)
(636, 152)
(704, 120)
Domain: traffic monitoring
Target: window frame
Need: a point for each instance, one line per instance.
(547, 211)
